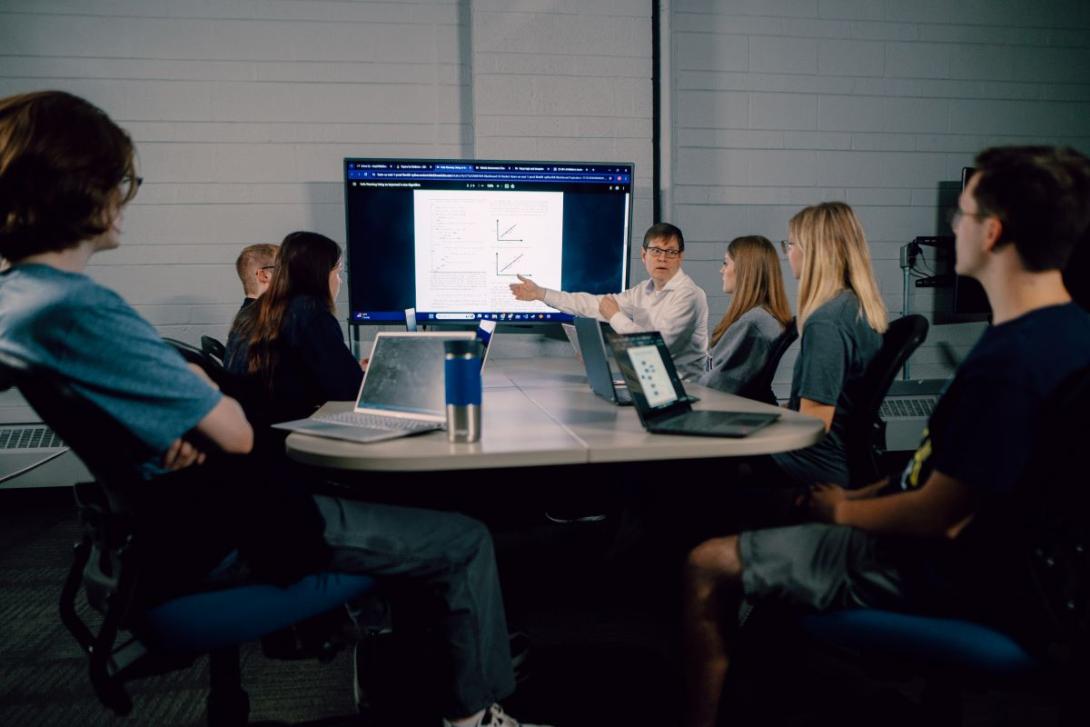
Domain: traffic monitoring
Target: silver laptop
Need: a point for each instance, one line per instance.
(402, 392)
(599, 375)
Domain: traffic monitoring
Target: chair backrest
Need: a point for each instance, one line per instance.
(760, 386)
(1052, 504)
(865, 437)
(107, 448)
(212, 347)
(192, 354)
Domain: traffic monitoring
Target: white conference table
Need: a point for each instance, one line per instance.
(541, 412)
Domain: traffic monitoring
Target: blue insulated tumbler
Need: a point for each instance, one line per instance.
(463, 383)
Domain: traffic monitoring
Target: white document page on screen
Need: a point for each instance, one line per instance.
(470, 245)
(657, 387)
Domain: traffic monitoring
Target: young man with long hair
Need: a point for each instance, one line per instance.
(66, 173)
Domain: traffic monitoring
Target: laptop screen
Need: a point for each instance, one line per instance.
(485, 331)
(649, 372)
(405, 374)
(589, 335)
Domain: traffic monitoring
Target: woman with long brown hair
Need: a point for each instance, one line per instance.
(756, 317)
(288, 344)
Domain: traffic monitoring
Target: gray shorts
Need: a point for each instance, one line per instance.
(819, 567)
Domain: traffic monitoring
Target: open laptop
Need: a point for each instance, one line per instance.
(599, 374)
(660, 398)
(402, 392)
(486, 330)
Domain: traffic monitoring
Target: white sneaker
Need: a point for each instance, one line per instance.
(494, 716)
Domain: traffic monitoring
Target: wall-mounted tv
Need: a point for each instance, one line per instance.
(447, 237)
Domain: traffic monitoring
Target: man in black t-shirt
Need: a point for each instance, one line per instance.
(1019, 218)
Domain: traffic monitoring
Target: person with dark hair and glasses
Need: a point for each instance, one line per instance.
(66, 173)
(670, 302)
(941, 539)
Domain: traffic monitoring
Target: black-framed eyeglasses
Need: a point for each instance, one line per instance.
(954, 216)
(267, 267)
(130, 180)
(670, 253)
(786, 246)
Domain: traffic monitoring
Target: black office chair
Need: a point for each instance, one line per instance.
(212, 347)
(865, 434)
(194, 355)
(760, 386)
(139, 637)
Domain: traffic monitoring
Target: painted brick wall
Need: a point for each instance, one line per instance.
(242, 111)
(778, 104)
(565, 80)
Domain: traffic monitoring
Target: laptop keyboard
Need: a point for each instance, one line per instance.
(918, 406)
(376, 421)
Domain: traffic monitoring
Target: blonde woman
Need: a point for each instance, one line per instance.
(841, 318)
(756, 317)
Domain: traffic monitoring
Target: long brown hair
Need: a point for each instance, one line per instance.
(303, 265)
(758, 282)
(835, 258)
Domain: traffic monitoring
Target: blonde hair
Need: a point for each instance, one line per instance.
(835, 258)
(758, 283)
(250, 260)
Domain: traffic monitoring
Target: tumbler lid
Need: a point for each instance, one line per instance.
(462, 347)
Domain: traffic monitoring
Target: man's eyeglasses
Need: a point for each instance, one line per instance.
(786, 245)
(662, 252)
(131, 183)
(955, 215)
(267, 267)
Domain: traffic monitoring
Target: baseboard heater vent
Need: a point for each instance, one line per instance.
(29, 437)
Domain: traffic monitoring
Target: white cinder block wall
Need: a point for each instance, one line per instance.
(777, 104)
(565, 80)
(242, 111)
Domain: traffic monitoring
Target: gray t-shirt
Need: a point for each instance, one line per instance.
(69, 324)
(837, 345)
(742, 351)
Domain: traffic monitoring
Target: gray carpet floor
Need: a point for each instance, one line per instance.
(604, 650)
(43, 673)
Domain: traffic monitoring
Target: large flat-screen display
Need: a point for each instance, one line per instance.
(447, 237)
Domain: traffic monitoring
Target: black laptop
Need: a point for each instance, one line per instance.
(660, 398)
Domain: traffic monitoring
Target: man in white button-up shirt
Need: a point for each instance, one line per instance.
(670, 302)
